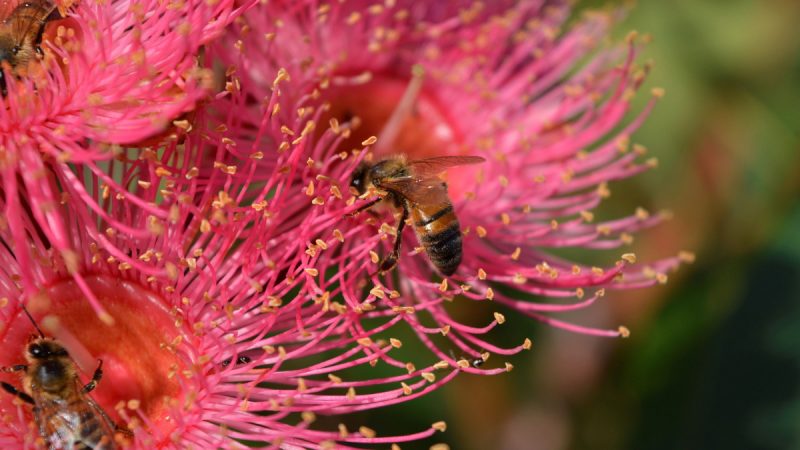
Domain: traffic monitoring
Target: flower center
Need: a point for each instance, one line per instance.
(136, 361)
(402, 113)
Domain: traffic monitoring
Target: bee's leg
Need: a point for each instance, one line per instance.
(16, 368)
(122, 430)
(98, 374)
(13, 391)
(391, 260)
(368, 205)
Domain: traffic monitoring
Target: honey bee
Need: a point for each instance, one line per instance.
(66, 416)
(21, 36)
(414, 187)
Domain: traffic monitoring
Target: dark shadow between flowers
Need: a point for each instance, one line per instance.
(737, 391)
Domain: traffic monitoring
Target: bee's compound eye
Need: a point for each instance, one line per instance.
(35, 350)
(15, 49)
(357, 179)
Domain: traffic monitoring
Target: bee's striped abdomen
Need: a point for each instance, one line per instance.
(439, 233)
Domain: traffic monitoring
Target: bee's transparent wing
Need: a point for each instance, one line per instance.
(427, 191)
(429, 167)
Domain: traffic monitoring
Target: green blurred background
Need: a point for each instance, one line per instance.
(714, 357)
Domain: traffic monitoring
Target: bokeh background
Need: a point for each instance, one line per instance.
(713, 361)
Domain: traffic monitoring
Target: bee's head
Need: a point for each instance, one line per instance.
(8, 50)
(43, 348)
(51, 372)
(7, 60)
(358, 180)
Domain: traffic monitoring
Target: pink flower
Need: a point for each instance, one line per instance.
(112, 73)
(233, 290)
(510, 83)
(205, 342)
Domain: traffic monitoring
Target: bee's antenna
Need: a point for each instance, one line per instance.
(33, 321)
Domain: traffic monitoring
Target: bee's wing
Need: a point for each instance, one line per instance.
(58, 425)
(424, 191)
(429, 167)
(62, 421)
(106, 438)
(27, 19)
(108, 423)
